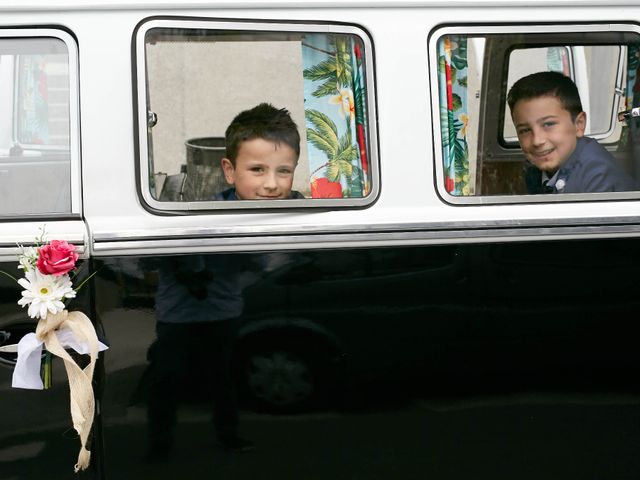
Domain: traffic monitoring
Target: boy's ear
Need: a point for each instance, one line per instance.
(229, 171)
(581, 124)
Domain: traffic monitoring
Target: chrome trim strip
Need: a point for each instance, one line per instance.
(257, 27)
(9, 253)
(357, 240)
(434, 36)
(264, 232)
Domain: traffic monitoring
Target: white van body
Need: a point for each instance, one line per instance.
(467, 272)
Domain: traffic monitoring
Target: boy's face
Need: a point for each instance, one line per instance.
(263, 170)
(546, 132)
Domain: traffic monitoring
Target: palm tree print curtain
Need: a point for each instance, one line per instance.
(335, 111)
(452, 80)
(33, 102)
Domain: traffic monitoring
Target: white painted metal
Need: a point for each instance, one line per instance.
(408, 198)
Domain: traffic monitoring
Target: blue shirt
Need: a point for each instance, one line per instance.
(590, 168)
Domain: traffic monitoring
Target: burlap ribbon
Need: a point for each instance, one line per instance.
(81, 389)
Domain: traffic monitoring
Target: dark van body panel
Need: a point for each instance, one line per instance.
(414, 337)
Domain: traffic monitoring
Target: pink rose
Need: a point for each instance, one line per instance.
(56, 258)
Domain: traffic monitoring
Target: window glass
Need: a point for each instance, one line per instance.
(598, 64)
(35, 172)
(199, 79)
(483, 154)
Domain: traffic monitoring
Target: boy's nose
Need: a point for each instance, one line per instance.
(270, 182)
(538, 137)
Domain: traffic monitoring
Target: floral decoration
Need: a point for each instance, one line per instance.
(49, 269)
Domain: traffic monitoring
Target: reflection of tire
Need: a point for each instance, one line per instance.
(289, 376)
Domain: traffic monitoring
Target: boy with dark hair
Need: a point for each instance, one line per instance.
(547, 113)
(262, 150)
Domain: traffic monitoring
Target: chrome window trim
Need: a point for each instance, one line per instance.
(334, 240)
(140, 86)
(74, 113)
(434, 36)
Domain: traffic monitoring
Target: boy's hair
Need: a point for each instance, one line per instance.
(547, 84)
(262, 121)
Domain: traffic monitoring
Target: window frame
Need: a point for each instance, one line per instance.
(248, 26)
(515, 29)
(75, 187)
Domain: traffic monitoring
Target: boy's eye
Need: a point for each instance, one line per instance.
(256, 169)
(285, 171)
(548, 124)
(522, 130)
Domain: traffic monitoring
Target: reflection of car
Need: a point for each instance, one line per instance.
(320, 324)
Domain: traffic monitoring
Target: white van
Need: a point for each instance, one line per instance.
(415, 311)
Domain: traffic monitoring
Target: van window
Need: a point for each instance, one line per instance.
(602, 65)
(197, 76)
(35, 118)
(480, 159)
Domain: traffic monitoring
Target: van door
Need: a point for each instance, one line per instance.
(39, 198)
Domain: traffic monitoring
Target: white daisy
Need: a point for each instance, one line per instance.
(44, 293)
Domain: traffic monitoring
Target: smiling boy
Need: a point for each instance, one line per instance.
(547, 113)
(262, 150)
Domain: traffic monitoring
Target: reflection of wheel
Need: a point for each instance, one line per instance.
(279, 378)
(276, 376)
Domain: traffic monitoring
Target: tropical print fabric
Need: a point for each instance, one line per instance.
(452, 80)
(33, 101)
(335, 111)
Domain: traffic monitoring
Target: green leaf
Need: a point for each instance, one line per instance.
(359, 99)
(459, 53)
(346, 168)
(330, 87)
(457, 102)
(356, 183)
(444, 122)
(347, 153)
(321, 143)
(333, 171)
(321, 71)
(325, 135)
(462, 82)
(442, 62)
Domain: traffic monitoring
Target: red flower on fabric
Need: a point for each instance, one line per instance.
(449, 184)
(323, 188)
(57, 258)
(357, 51)
(447, 69)
(361, 144)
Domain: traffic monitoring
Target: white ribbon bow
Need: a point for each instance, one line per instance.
(27, 370)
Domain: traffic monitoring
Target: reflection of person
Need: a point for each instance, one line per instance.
(262, 150)
(547, 113)
(198, 305)
(199, 300)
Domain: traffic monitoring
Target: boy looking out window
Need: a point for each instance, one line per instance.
(262, 150)
(547, 113)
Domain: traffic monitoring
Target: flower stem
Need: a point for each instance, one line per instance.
(9, 275)
(85, 280)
